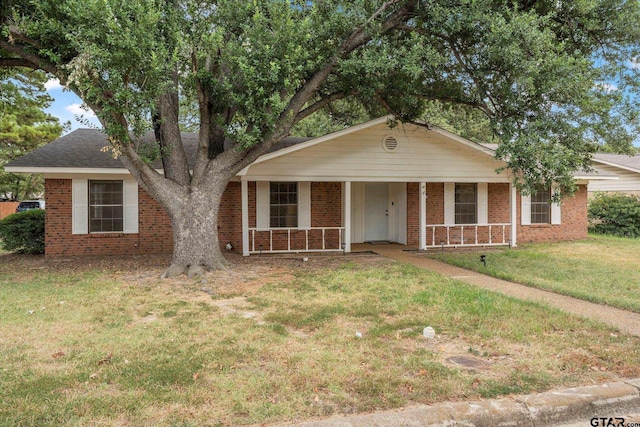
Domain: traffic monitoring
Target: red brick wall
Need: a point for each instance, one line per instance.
(230, 216)
(155, 232)
(326, 211)
(413, 213)
(154, 228)
(573, 226)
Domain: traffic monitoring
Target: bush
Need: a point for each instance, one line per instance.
(616, 214)
(23, 232)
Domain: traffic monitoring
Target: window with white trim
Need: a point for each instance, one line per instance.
(541, 207)
(106, 206)
(283, 204)
(466, 203)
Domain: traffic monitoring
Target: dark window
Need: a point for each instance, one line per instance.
(466, 204)
(105, 206)
(284, 204)
(541, 207)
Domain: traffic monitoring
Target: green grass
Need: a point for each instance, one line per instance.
(87, 348)
(600, 269)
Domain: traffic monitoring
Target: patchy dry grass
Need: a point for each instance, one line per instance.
(600, 269)
(273, 340)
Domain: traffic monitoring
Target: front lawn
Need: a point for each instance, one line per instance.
(600, 269)
(104, 342)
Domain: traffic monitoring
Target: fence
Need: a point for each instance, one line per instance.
(7, 208)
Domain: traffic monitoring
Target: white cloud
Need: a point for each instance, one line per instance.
(607, 87)
(52, 84)
(80, 110)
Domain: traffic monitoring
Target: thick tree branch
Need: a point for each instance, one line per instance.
(319, 105)
(16, 62)
(174, 158)
(36, 62)
(358, 38)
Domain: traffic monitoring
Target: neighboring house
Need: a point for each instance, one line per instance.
(626, 168)
(424, 188)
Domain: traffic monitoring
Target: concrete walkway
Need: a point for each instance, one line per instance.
(626, 321)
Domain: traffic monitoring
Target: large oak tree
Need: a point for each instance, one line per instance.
(543, 72)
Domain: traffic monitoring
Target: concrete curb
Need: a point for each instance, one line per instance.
(544, 409)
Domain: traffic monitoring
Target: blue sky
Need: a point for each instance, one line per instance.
(67, 107)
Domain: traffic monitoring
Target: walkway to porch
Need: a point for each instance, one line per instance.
(624, 320)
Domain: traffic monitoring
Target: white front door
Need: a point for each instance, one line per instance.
(376, 211)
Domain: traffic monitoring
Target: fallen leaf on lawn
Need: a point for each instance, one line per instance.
(92, 376)
(106, 360)
(316, 398)
(58, 354)
(422, 372)
(196, 376)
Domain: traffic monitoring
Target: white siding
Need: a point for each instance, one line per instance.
(421, 155)
(627, 181)
(80, 206)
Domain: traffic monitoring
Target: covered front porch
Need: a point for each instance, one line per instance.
(298, 217)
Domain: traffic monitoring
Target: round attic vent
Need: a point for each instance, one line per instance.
(390, 143)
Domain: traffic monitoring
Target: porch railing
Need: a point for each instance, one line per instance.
(280, 240)
(441, 235)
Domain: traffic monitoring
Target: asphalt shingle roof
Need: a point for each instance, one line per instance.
(83, 148)
(623, 160)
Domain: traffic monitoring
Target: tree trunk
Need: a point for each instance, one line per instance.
(194, 218)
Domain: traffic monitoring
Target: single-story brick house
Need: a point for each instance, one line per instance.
(424, 188)
(626, 168)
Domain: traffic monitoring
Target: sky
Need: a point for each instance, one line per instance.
(68, 107)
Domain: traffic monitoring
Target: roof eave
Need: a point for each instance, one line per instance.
(616, 165)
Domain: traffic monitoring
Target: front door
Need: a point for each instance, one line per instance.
(376, 211)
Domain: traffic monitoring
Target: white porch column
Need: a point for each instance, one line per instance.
(244, 185)
(514, 214)
(347, 217)
(422, 220)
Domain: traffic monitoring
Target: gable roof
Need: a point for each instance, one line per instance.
(84, 149)
(310, 142)
(623, 161)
